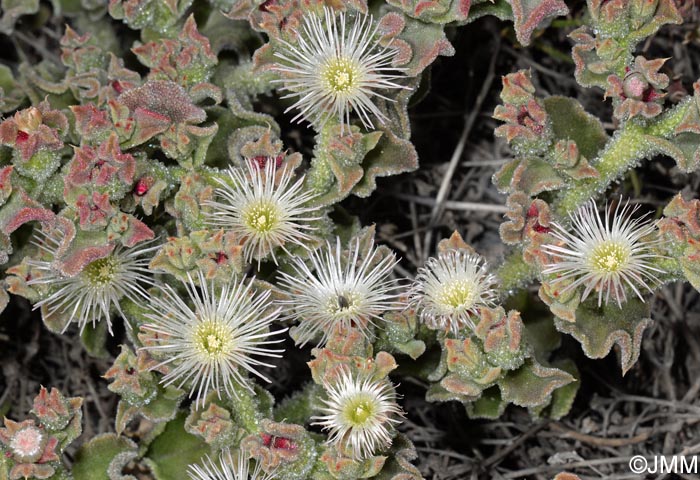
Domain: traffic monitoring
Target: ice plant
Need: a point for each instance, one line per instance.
(359, 414)
(337, 67)
(449, 290)
(227, 469)
(27, 443)
(93, 293)
(211, 345)
(605, 255)
(268, 211)
(339, 289)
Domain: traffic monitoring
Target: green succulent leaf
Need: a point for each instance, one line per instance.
(174, 450)
(99, 458)
(532, 384)
(599, 329)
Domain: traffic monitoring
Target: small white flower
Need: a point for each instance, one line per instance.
(28, 443)
(360, 414)
(449, 290)
(211, 345)
(339, 290)
(227, 469)
(92, 294)
(268, 213)
(605, 255)
(337, 67)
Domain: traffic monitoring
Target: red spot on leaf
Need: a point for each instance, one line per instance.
(141, 188)
(650, 95)
(526, 120)
(265, 6)
(117, 86)
(21, 136)
(532, 211)
(261, 160)
(284, 444)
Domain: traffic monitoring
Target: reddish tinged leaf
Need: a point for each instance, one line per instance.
(20, 209)
(531, 14)
(282, 447)
(81, 252)
(33, 129)
(187, 60)
(101, 166)
(280, 18)
(86, 62)
(418, 43)
(146, 192)
(681, 227)
(54, 410)
(640, 91)
(129, 230)
(214, 425)
(94, 211)
(157, 107)
(517, 87)
(264, 148)
(5, 183)
(91, 123)
(435, 11)
(131, 377)
(158, 15)
(218, 254)
(163, 100)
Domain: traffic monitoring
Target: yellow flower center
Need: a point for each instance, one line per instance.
(457, 294)
(213, 339)
(101, 271)
(261, 217)
(343, 303)
(340, 75)
(610, 257)
(359, 410)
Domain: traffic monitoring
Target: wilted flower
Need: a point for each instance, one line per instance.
(227, 469)
(360, 414)
(337, 67)
(210, 345)
(28, 443)
(339, 290)
(31, 449)
(604, 255)
(90, 295)
(266, 209)
(451, 288)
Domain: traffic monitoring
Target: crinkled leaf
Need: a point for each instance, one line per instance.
(600, 329)
(532, 384)
(532, 14)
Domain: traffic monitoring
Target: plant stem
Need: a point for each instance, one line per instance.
(627, 147)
